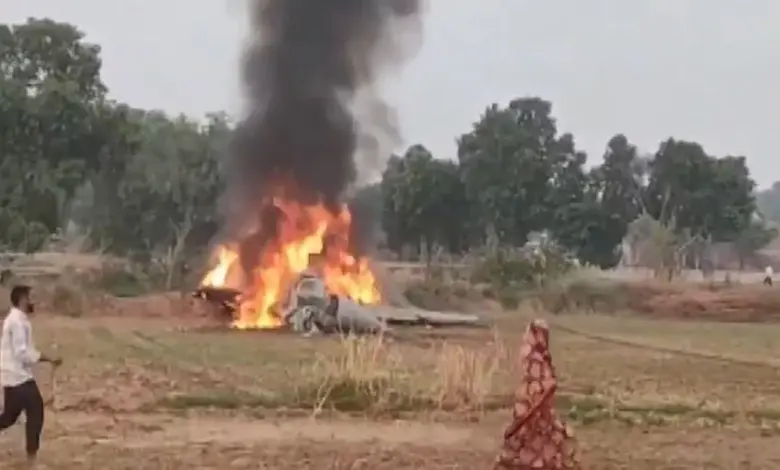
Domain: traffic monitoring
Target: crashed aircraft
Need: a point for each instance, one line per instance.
(310, 309)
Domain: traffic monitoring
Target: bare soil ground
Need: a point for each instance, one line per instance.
(164, 442)
(156, 394)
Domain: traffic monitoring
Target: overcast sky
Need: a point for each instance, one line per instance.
(706, 70)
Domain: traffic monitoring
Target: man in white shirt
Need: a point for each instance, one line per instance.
(768, 275)
(17, 357)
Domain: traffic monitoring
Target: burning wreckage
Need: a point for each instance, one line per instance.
(289, 253)
(309, 309)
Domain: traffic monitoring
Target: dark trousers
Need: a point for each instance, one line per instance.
(768, 281)
(24, 397)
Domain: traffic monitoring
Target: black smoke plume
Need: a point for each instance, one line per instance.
(305, 63)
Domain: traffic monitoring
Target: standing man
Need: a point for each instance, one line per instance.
(17, 357)
(768, 275)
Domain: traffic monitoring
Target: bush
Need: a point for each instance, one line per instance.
(503, 270)
(523, 268)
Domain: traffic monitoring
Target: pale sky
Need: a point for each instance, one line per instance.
(705, 70)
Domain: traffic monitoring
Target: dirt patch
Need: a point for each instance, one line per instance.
(738, 304)
(238, 431)
(697, 301)
(79, 441)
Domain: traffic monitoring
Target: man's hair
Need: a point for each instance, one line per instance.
(18, 293)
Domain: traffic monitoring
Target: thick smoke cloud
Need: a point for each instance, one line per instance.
(308, 67)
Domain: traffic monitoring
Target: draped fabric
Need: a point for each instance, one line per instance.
(537, 439)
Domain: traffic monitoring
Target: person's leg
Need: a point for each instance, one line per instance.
(12, 407)
(33, 410)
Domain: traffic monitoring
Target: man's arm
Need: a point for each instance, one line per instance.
(21, 345)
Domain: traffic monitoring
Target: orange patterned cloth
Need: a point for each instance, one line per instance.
(537, 439)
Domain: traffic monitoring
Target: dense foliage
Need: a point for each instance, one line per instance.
(516, 174)
(130, 182)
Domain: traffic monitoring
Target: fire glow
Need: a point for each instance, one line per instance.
(302, 231)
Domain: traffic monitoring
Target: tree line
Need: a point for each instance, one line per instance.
(129, 181)
(142, 184)
(517, 174)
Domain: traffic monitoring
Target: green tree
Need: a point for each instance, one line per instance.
(424, 200)
(707, 197)
(569, 182)
(507, 163)
(106, 176)
(173, 185)
(620, 180)
(570, 196)
(50, 95)
(393, 223)
(613, 202)
(768, 202)
(753, 238)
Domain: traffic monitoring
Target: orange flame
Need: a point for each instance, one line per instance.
(301, 233)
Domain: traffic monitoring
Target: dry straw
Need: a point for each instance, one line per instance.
(371, 374)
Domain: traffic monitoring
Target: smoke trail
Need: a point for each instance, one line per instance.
(310, 67)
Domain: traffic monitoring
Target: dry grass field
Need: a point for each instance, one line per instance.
(148, 385)
(642, 394)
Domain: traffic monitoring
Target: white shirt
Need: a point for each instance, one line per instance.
(769, 271)
(17, 351)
